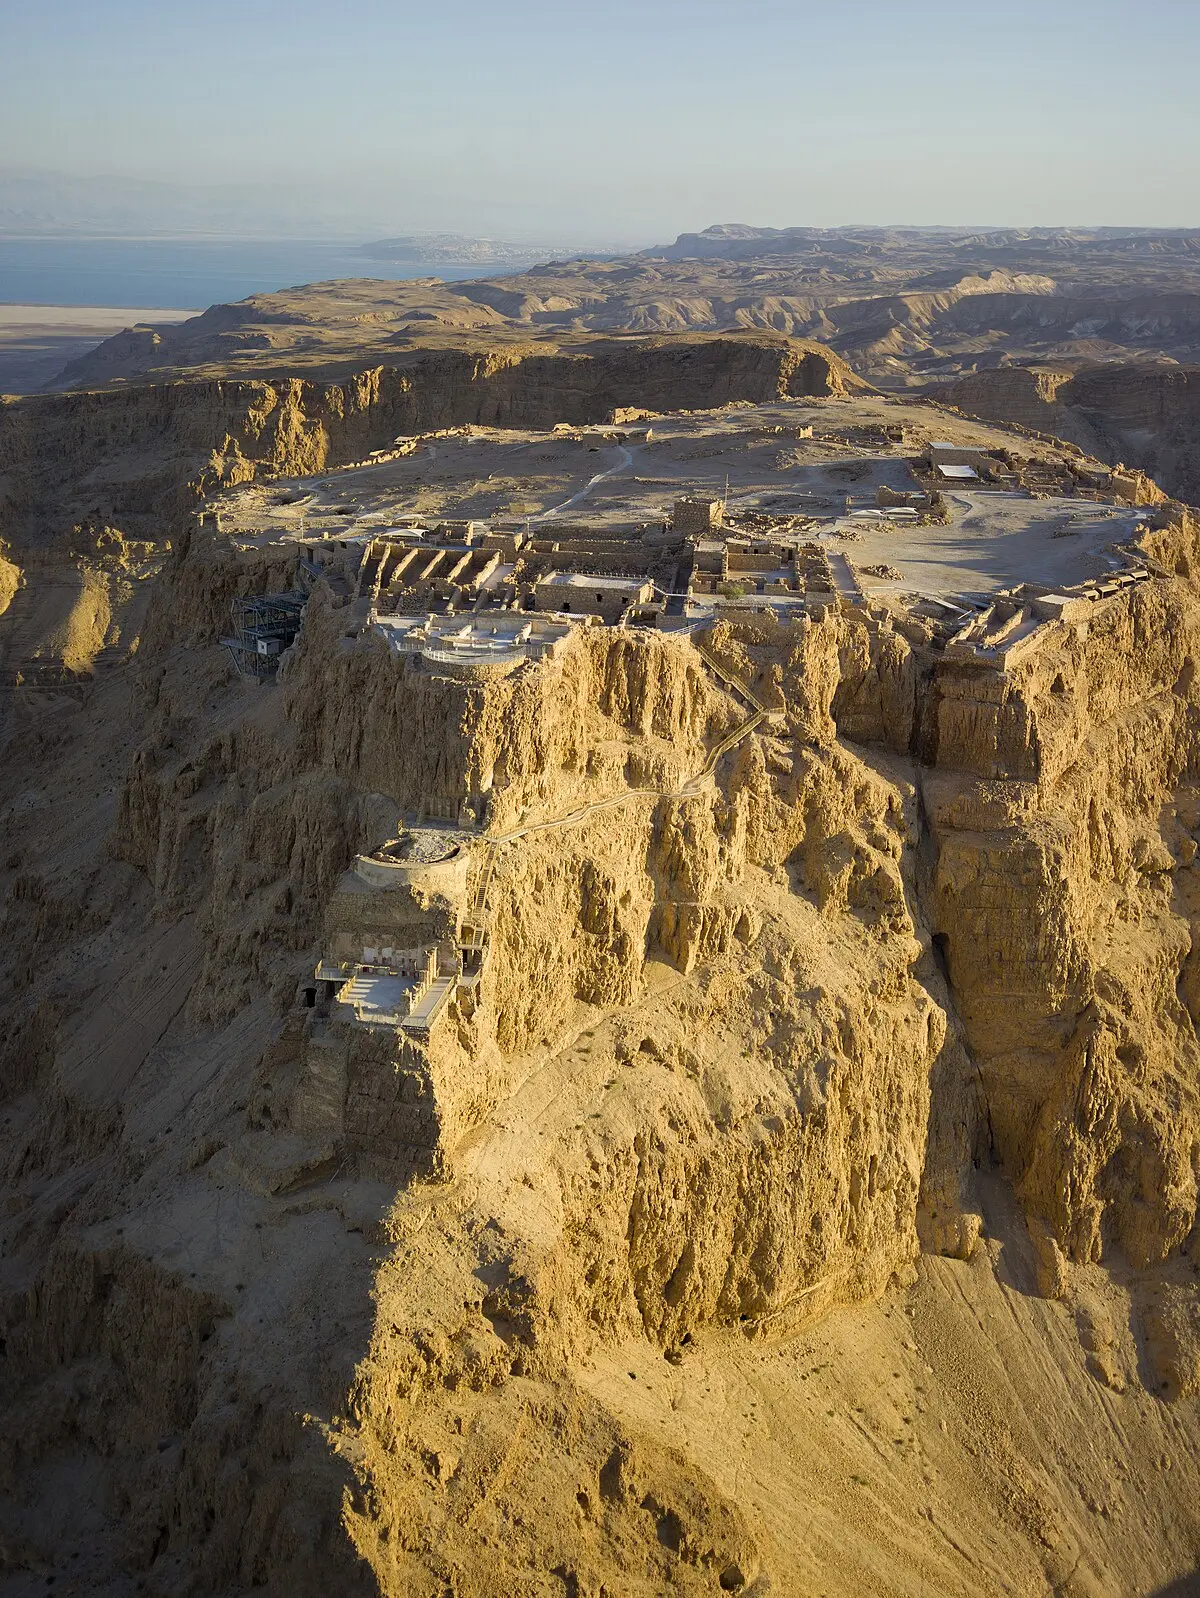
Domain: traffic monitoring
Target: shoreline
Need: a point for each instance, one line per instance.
(38, 341)
(12, 313)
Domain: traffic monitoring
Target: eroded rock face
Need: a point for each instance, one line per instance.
(146, 455)
(1147, 415)
(736, 1050)
(1063, 891)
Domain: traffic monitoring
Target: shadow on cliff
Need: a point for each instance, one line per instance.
(1004, 1222)
(1185, 1587)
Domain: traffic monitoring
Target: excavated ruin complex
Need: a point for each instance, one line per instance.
(703, 1101)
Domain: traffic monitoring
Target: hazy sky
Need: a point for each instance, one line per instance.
(618, 119)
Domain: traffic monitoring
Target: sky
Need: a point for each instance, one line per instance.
(622, 122)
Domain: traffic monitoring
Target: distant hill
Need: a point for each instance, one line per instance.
(737, 241)
(904, 306)
(457, 249)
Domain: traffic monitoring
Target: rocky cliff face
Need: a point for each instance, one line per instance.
(141, 457)
(1148, 416)
(1063, 889)
(907, 989)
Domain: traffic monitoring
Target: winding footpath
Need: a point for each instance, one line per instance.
(691, 786)
(582, 493)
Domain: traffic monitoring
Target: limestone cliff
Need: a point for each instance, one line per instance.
(141, 457)
(1147, 415)
(817, 1083)
(1063, 892)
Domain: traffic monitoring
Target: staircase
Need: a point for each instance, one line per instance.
(734, 684)
(478, 907)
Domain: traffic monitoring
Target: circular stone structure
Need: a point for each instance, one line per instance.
(419, 846)
(473, 664)
(427, 855)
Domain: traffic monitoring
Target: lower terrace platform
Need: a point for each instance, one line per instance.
(492, 643)
(407, 991)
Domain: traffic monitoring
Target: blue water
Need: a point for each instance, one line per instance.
(169, 273)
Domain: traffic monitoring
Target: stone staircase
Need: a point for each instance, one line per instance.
(732, 684)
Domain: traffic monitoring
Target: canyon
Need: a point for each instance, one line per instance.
(799, 1192)
(987, 321)
(904, 306)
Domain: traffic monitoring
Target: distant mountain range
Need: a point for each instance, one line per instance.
(457, 249)
(737, 241)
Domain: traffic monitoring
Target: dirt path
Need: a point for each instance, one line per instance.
(686, 789)
(582, 493)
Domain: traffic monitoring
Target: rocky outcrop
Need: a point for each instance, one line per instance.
(142, 456)
(1148, 415)
(1062, 891)
(740, 1049)
(533, 741)
(1105, 858)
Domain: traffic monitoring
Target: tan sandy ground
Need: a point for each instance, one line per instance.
(947, 1441)
(748, 454)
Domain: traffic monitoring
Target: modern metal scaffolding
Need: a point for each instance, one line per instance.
(264, 625)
